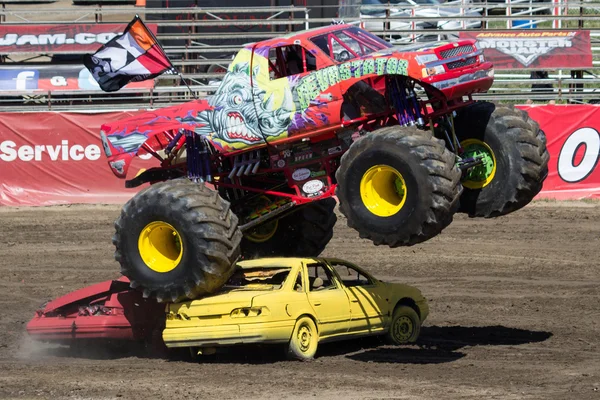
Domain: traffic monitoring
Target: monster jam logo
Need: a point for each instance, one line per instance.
(526, 47)
(309, 87)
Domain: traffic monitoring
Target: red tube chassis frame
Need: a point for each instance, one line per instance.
(369, 122)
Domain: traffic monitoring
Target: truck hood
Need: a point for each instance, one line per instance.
(123, 139)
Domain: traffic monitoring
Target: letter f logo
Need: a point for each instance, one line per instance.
(26, 80)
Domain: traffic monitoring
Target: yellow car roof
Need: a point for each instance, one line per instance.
(273, 262)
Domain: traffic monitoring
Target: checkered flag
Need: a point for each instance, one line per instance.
(133, 56)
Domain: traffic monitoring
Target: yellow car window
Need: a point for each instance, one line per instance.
(320, 277)
(350, 276)
(268, 278)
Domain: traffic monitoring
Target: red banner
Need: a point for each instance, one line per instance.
(72, 38)
(56, 158)
(574, 145)
(535, 50)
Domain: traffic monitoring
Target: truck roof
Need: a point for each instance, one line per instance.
(305, 34)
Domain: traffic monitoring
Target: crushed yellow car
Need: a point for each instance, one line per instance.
(300, 302)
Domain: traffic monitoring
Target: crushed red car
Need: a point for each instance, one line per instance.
(107, 310)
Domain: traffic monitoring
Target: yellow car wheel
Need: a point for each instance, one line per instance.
(304, 341)
(405, 326)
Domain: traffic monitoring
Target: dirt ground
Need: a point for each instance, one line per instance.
(514, 314)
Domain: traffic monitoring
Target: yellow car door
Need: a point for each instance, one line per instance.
(328, 300)
(369, 302)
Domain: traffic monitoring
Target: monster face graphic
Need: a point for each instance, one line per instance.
(127, 143)
(242, 113)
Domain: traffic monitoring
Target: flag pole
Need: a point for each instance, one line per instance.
(186, 84)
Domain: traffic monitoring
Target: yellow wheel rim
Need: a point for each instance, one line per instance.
(160, 246)
(383, 190)
(263, 232)
(482, 175)
(266, 231)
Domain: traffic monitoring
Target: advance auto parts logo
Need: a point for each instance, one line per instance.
(526, 47)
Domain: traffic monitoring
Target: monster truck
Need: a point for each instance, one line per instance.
(251, 171)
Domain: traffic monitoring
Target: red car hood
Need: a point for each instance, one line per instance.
(107, 310)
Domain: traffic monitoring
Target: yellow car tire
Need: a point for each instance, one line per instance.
(398, 186)
(405, 326)
(513, 142)
(177, 239)
(304, 341)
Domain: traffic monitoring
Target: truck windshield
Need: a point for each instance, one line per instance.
(265, 278)
(349, 43)
(378, 7)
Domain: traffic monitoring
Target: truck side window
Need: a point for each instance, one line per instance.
(348, 44)
(290, 60)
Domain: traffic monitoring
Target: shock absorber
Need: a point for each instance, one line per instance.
(404, 100)
(415, 103)
(198, 157)
(396, 98)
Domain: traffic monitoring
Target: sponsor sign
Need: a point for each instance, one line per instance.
(53, 78)
(313, 187)
(536, 50)
(72, 38)
(573, 133)
(19, 79)
(301, 174)
(56, 158)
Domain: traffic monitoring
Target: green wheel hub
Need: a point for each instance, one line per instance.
(480, 175)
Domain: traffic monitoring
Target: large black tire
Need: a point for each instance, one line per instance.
(432, 185)
(202, 231)
(304, 233)
(519, 147)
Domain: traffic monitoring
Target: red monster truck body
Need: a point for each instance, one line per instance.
(392, 131)
(251, 109)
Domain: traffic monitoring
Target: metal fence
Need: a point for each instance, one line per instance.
(203, 62)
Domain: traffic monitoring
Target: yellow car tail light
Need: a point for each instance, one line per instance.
(249, 312)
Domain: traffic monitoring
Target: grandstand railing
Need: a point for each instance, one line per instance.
(194, 56)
